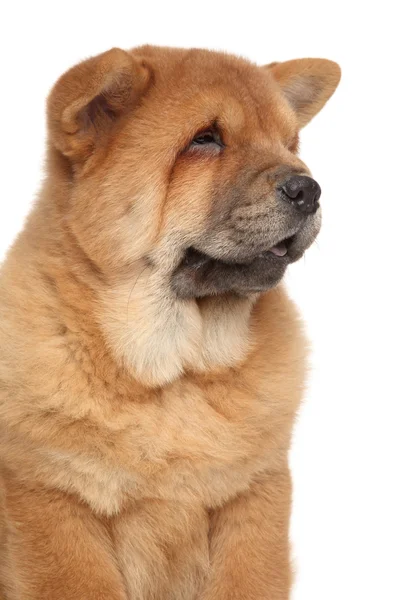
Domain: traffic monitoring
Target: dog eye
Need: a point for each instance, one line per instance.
(207, 138)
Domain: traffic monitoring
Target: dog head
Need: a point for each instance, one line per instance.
(188, 159)
(185, 162)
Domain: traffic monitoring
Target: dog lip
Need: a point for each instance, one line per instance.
(195, 258)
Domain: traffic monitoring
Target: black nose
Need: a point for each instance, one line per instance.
(304, 192)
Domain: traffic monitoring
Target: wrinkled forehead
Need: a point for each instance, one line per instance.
(201, 87)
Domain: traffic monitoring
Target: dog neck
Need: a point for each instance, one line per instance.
(159, 338)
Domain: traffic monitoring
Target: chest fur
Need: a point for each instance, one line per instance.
(197, 444)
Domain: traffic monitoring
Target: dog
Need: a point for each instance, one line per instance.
(151, 361)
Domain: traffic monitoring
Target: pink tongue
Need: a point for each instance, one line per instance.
(279, 250)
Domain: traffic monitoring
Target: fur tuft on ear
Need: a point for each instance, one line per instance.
(87, 99)
(307, 83)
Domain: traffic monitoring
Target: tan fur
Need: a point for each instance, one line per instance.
(144, 439)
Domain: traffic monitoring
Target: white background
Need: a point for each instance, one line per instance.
(346, 452)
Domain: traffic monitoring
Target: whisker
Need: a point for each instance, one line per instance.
(130, 293)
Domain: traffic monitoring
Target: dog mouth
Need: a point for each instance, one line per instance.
(200, 274)
(196, 259)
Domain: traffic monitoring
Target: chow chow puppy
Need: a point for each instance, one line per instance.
(151, 363)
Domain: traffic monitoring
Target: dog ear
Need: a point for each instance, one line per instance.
(307, 83)
(88, 99)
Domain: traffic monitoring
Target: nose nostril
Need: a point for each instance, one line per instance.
(303, 192)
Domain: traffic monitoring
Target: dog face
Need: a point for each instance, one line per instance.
(187, 161)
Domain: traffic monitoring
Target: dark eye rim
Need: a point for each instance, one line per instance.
(208, 136)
